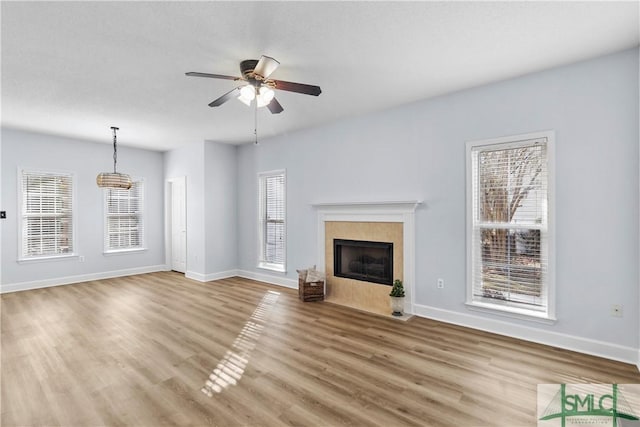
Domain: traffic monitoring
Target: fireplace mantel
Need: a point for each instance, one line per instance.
(380, 211)
(410, 205)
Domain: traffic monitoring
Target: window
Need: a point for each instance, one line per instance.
(124, 225)
(272, 227)
(509, 234)
(47, 214)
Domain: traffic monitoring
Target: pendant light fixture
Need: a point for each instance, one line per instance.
(114, 179)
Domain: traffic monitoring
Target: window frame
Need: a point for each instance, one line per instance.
(547, 233)
(21, 199)
(262, 263)
(143, 247)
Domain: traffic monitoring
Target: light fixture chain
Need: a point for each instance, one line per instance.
(115, 149)
(114, 179)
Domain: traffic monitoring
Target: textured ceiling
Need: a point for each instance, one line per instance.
(77, 68)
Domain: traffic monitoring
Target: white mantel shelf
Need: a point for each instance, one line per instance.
(410, 204)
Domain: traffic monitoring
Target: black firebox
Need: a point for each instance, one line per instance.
(363, 260)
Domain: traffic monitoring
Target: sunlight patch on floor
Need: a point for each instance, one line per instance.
(230, 369)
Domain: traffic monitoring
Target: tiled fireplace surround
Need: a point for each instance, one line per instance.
(376, 221)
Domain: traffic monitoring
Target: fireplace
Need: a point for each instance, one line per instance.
(363, 260)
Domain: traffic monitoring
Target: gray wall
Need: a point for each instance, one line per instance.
(210, 168)
(220, 207)
(418, 152)
(85, 159)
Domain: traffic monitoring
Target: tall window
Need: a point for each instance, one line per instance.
(509, 229)
(47, 214)
(272, 227)
(124, 225)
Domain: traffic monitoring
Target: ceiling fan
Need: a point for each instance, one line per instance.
(258, 85)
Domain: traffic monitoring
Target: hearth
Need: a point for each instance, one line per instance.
(363, 260)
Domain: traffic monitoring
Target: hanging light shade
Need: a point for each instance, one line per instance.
(114, 179)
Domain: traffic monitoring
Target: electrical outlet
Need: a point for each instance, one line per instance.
(440, 283)
(81, 258)
(616, 310)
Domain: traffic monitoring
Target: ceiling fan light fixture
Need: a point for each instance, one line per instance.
(265, 95)
(114, 179)
(247, 94)
(244, 100)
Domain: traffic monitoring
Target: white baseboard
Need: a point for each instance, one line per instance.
(211, 276)
(268, 278)
(194, 276)
(68, 280)
(555, 339)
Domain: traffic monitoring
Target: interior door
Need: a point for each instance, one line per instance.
(179, 224)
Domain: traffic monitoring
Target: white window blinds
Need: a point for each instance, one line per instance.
(47, 214)
(509, 214)
(272, 220)
(124, 225)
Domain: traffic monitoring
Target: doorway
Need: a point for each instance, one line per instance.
(176, 245)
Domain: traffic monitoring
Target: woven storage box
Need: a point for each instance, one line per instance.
(310, 291)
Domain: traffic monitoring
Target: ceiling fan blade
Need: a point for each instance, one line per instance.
(213, 76)
(265, 66)
(224, 98)
(275, 107)
(297, 87)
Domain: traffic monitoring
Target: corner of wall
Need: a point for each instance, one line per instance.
(211, 276)
(636, 115)
(269, 278)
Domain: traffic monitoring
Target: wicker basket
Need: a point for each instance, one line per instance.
(310, 291)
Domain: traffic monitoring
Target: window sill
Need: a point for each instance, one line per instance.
(124, 251)
(512, 312)
(272, 267)
(47, 258)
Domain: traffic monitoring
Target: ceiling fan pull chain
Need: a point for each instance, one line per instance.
(255, 129)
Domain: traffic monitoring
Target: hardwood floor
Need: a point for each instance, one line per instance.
(159, 349)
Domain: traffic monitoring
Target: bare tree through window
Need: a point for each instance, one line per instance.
(511, 207)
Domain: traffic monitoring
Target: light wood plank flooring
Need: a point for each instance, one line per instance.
(159, 349)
